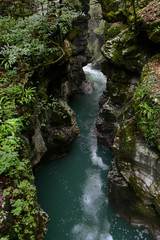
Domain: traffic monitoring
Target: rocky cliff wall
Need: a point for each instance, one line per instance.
(96, 33)
(54, 130)
(51, 124)
(128, 121)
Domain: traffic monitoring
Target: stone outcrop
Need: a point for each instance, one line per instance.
(96, 33)
(125, 50)
(121, 85)
(128, 121)
(54, 129)
(55, 136)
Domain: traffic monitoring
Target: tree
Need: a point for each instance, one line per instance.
(130, 10)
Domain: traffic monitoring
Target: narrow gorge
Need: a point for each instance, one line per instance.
(50, 123)
(73, 190)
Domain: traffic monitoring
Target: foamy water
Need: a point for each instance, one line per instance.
(73, 190)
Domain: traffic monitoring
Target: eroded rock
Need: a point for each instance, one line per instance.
(151, 20)
(125, 50)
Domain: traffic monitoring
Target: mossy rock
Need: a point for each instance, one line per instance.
(73, 33)
(136, 162)
(157, 205)
(68, 48)
(120, 93)
(125, 50)
(112, 30)
(112, 11)
(126, 143)
(100, 30)
(146, 102)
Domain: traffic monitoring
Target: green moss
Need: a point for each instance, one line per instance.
(127, 135)
(73, 33)
(100, 30)
(157, 204)
(125, 50)
(146, 102)
(111, 15)
(114, 29)
(112, 10)
(155, 24)
(95, 49)
(119, 92)
(133, 182)
(143, 211)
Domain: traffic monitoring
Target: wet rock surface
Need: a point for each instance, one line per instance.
(53, 132)
(125, 49)
(123, 123)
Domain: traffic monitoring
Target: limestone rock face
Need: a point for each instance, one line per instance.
(128, 121)
(139, 211)
(134, 178)
(138, 166)
(54, 128)
(120, 87)
(43, 221)
(106, 124)
(59, 135)
(54, 135)
(124, 49)
(96, 34)
(4, 210)
(39, 148)
(80, 55)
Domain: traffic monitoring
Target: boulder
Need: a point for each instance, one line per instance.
(124, 49)
(150, 20)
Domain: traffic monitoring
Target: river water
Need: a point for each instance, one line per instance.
(73, 190)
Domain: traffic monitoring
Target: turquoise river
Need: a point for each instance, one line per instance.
(73, 190)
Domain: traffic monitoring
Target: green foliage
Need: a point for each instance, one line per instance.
(26, 45)
(56, 105)
(64, 15)
(16, 99)
(14, 164)
(130, 9)
(31, 39)
(123, 10)
(75, 4)
(23, 209)
(28, 40)
(157, 29)
(20, 8)
(147, 106)
(112, 30)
